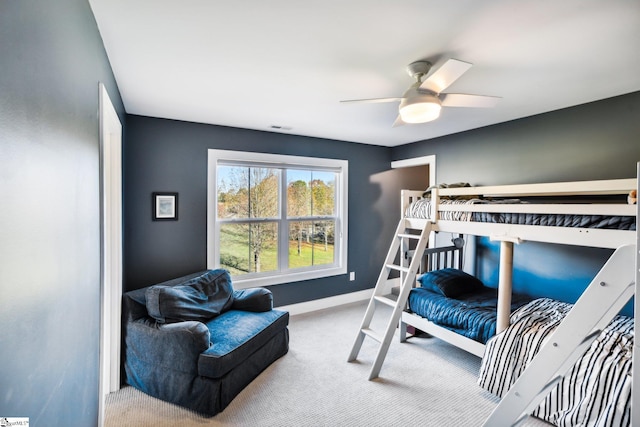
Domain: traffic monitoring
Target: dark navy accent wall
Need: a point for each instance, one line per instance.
(52, 59)
(169, 155)
(599, 140)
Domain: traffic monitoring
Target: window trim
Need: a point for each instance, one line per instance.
(283, 161)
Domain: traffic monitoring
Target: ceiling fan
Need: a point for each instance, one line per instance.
(423, 100)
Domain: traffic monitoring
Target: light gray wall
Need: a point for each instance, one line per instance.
(51, 60)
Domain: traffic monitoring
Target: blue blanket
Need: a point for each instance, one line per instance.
(471, 315)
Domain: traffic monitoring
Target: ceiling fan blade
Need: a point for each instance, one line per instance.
(464, 100)
(444, 76)
(398, 122)
(370, 101)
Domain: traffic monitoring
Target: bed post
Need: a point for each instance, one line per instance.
(635, 377)
(434, 215)
(505, 280)
(505, 285)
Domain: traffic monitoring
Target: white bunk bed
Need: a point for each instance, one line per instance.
(604, 297)
(510, 234)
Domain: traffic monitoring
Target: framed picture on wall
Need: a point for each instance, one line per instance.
(165, 206)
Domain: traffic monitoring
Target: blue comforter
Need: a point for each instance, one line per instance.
(471, 315)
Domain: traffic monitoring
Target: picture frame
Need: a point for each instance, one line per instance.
(164, 206)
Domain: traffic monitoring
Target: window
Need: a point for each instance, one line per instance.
(276, 219)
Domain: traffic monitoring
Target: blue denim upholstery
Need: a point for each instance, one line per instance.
(202, 365)
(237, 335)
(253, 299)
(199, 298)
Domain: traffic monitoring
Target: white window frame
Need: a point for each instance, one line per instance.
(222, 157)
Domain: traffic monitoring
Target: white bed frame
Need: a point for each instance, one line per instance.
(622, 270)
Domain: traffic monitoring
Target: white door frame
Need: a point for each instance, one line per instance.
(111, 247)
(419, 161)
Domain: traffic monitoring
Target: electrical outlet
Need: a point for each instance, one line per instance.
(352, 276)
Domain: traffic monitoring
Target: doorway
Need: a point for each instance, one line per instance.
(428, 161)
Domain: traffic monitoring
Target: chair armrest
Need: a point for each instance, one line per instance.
(253, 299)
(175, 346)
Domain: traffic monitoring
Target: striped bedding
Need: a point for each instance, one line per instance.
(421, 209)
(597, 389)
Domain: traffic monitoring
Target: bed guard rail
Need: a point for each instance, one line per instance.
(441, 257)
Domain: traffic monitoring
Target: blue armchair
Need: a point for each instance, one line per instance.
(196, 342)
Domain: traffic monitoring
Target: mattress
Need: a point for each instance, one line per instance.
(597, 389)
(471, 315)
(555, 220)
(421, 208)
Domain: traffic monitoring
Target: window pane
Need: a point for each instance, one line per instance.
(233, 192)
(298, 193)
(246, 192)
(300, 246)
(249, 248)
(323, 193)
(263, 192)
(311, 243)
(310, 193)
(324, 233)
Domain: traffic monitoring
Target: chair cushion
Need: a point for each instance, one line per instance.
(235, 335)
(199, 298)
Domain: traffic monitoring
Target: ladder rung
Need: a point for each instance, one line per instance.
(389, 300)
(398, 268)
(409, 236)
(371, 333)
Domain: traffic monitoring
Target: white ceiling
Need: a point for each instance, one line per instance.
(256, 64)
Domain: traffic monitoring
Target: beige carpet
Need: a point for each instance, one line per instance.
(424, 382)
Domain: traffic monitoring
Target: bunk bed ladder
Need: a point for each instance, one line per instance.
(397, 260)
(605, 296)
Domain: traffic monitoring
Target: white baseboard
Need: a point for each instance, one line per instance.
(319, 304)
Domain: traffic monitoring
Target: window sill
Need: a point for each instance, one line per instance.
(268, 280)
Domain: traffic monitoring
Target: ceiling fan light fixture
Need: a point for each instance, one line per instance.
(420, 109)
